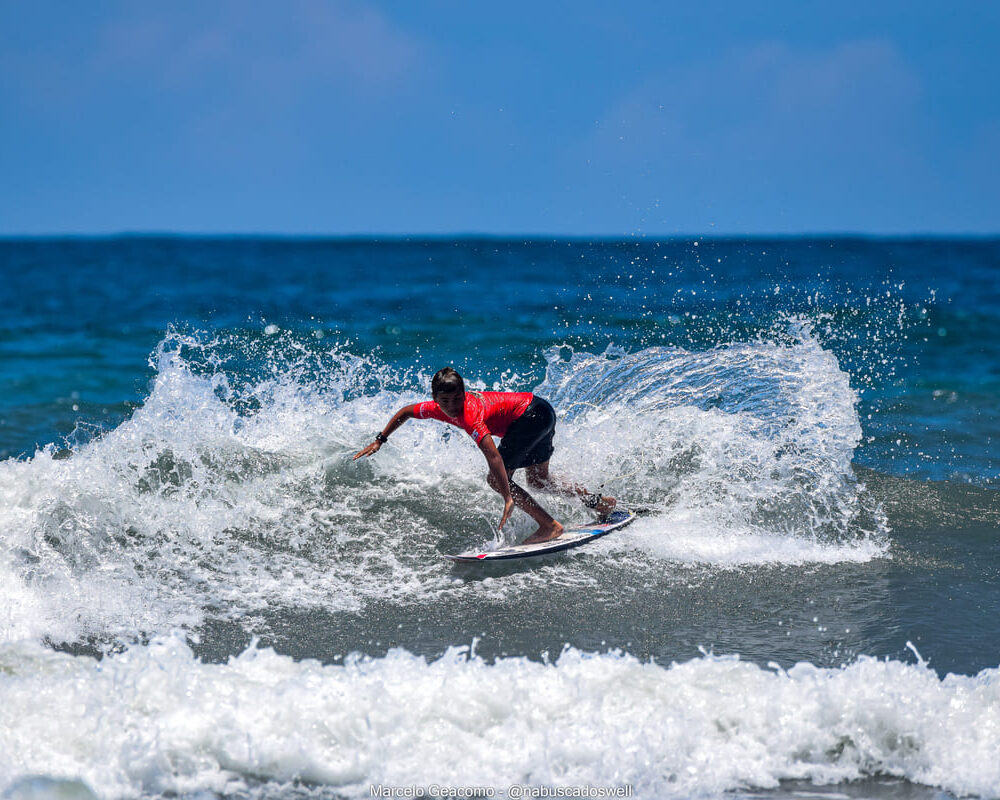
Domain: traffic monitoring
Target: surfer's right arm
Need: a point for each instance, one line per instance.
(405, 413)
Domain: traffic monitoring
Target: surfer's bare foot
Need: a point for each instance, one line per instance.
(544, 533)
(604, 507)
(599, 504)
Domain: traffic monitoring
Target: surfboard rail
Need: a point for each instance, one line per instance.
(571, 537)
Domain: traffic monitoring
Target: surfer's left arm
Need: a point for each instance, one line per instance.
(498, 476)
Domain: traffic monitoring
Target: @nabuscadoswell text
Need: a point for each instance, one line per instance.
(514, 791)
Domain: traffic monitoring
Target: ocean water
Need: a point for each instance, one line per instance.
(203, 596)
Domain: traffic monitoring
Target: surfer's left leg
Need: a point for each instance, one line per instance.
(539, 478)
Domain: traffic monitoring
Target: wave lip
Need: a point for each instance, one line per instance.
(155, 720)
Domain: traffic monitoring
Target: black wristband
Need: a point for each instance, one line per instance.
(380, 438)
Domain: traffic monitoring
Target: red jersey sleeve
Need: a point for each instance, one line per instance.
(475, 422)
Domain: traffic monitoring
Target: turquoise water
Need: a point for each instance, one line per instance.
(810, 604)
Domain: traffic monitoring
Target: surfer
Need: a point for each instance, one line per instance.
(525, 424)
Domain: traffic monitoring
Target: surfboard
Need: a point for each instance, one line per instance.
(571, 537)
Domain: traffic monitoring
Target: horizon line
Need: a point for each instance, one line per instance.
(482, 236)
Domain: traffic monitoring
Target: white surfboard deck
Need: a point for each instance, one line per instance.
(571, 537)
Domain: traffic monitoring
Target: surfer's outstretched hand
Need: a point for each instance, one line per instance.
(374, 447)
(508, 509)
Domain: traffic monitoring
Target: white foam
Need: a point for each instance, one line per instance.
(154, 720)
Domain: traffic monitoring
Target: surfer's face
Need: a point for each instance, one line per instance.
(451, 403)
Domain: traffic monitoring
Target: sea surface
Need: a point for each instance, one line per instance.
(203, 596)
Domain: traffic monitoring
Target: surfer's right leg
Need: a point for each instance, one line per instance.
(529, 439)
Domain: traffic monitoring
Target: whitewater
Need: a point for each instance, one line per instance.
(203, 595)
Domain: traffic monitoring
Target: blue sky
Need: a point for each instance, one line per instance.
(566, 118)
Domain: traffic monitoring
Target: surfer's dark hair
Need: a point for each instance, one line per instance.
(446, 381)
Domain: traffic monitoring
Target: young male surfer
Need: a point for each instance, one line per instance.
(525, 425)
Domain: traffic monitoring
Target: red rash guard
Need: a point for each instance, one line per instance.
(484, 413)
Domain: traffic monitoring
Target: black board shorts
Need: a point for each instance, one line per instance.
(528, 440)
